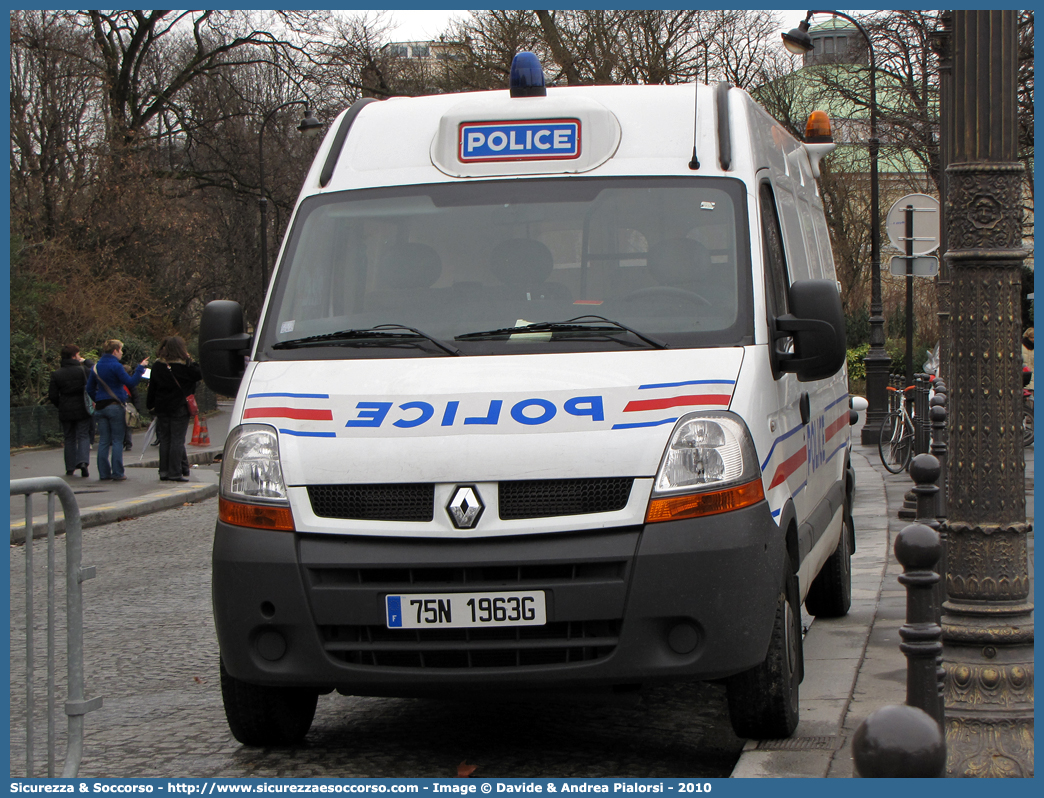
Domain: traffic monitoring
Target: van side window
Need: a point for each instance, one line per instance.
(775, 260)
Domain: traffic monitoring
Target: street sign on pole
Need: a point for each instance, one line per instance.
(925, 227)
(921, 266)
(912, 225)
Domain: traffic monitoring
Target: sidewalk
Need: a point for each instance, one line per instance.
(853, 665)
(104, 502)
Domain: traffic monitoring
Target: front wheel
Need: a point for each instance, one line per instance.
(763, 702)
(830, 594)
(262, 716)
(895, 444)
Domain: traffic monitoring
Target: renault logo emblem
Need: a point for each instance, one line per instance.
(465, 507)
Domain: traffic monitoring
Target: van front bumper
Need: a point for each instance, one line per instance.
(691, 599)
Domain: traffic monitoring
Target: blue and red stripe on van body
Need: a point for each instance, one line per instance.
(840, 422)
(793, 463)
(296, 413)
(659, 404)
(293, 413)
(790, 464)
(699, 395)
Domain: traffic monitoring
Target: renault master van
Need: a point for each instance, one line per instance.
(548, 393)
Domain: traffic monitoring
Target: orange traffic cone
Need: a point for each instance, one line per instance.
(204, 435)
(195, 431)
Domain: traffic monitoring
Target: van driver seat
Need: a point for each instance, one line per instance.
(405, 273)
(685, 263)
(523, 266)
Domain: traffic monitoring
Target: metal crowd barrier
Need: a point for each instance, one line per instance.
(76, 706)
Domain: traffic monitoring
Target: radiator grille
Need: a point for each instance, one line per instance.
(515, 647)
(472, 577)
(538, 498)
(544, 498)
(412, 502)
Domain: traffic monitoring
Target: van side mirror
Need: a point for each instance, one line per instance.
(817, 325)
(223, 345)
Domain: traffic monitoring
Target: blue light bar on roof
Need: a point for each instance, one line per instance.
(527, 76)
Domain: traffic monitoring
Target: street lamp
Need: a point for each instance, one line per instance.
(310, 127)
(798, 41)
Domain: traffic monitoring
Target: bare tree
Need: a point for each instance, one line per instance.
(145, 58)
(744, 46)
(55, 127)
(488, 41)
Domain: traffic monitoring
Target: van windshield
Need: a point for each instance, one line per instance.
(662, 260)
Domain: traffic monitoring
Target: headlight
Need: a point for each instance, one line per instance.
(707, 449)
(250, 470)
(709, 467)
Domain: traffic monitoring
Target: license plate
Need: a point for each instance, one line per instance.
(449, 610)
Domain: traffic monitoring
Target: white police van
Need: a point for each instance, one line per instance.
(548, 394)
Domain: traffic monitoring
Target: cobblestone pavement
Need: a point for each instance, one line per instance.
(151, 652)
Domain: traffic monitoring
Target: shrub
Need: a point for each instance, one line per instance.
(856, 366)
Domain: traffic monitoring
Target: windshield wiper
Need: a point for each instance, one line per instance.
(586, 324)
(396, 332)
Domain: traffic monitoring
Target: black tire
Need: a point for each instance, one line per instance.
(1027, 422)
(763, 702)
(895, 454)
(266, 717)
(830, 594)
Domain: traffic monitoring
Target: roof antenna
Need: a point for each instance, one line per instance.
(694, 164)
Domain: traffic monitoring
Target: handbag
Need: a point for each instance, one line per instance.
(131, 416)
(88, 402)
(190, 400)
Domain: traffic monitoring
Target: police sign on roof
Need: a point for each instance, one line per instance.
(541, 139)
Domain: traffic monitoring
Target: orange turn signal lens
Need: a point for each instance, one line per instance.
(693, 505)
(817, 130)
(256, 516)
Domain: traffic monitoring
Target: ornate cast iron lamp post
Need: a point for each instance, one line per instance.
(877, 359)
(988, 615)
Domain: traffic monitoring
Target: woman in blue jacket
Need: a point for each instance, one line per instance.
(105, 385)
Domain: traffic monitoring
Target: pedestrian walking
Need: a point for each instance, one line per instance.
(173, 380)
(66, 392)
(105, 385)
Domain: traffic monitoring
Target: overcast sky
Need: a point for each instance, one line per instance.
(420, 24)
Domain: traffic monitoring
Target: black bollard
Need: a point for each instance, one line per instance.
(899, 741)
(922, 424)
(918, 548)
(924, 471)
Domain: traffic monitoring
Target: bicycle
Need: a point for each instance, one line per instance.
(896, 442)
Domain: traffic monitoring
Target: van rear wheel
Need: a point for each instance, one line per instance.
(763, 702)
(830, 594)
(264, 717)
